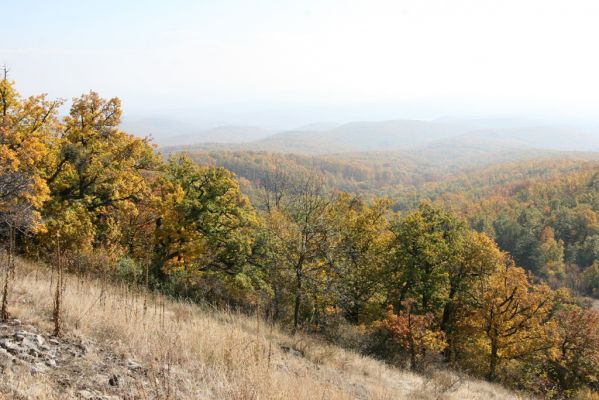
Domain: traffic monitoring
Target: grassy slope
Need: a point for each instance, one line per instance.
(211, 354)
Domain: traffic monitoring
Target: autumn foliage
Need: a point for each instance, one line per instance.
(422, 286)
(414, 333)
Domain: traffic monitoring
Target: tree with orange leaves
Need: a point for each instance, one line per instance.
(574, 360)
(414, 333)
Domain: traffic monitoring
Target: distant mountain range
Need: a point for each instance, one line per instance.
(170, 132)
(442, 135)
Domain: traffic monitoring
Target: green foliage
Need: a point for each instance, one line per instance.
(590, 280)
(129, 270)
(205, 222)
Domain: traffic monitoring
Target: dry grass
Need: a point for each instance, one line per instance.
(194, 353)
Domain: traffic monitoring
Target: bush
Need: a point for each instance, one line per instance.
(129, 270)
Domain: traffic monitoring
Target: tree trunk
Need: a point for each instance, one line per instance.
(493, 361)
(276, 305)
(58, 294)
(445, 326)
(413, 362)
(10, 260)
(298, 299)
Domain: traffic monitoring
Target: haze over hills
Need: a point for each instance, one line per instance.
(173, 132)
(478, 135)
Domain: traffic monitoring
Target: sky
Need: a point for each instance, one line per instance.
(327, 59)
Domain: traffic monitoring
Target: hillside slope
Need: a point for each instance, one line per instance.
(123, 343)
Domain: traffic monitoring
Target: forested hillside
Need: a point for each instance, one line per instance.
(547, 222)
(542, 211)
(398, 174)
(425, 286)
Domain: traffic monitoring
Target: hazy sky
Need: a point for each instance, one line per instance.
(491, 56)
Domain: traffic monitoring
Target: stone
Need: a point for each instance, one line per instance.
(84, 394)
(38, 368)
(39, 340)
(28, 345)
(292, 351)
(82, 347)
(33, 352)
(10, 346)
(115, 380)
(93, 395)
(134, 366)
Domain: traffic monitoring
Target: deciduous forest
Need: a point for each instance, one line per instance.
(487, 269)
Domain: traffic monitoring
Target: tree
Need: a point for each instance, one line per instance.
(96, 171)
(299, 228)
(475, 257)
(423, 247)
(590, 280)
(550, 255)
(414, 333)
(358, 246)
(510, 317)
(574, 359)
(588, 251)
(27, 129)
(205, 222)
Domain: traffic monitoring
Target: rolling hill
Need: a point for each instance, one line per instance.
(477, 136)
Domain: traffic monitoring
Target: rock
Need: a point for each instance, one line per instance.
(115, 380)
(39, 340)
(93, 395)
(28, 343)
(84, 394)
(26, 357)
(53, 341)
(51, 363)
(133, 366)
(292, 351)
(10, 346)
(38, 368)
(33, 352)
(82, 347)
(5, 356)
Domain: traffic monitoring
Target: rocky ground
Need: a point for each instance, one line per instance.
(80, 368)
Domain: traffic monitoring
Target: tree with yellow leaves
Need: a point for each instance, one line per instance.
(474, 257)
(97, 170)
(205, 223)
(27, 131)
(509, 318)
(356, 252)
